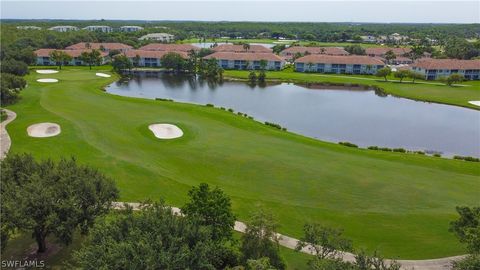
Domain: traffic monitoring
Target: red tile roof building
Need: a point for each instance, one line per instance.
(169, 47)
(241, 49)
(435, 68)
(353, 64)
(288, 53)
(43, 56)
(232, 60)
(99, 46)
(149, 58)
(381, 51)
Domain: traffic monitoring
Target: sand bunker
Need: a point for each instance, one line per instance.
(46, 71)
(43, 130)
(166, 131)
(103, 75)
(47, 80)
(475, 102)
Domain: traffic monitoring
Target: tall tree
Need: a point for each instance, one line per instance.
(389, 56)
(260, 239)
(154, 238)
(173, 61)
(93, 57)
(246, 47)
(323, 242)
(383, 72)
(10, 86)
(60, 57)
(121, 62)
(467, 230)
(47, 198)
(15, 67)
(401, 74)
(213, 208)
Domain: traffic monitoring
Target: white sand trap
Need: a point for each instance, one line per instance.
(103, 75)
(43, 130)
(165, 131)
(475, 102)
(46, 71)
(47, 80)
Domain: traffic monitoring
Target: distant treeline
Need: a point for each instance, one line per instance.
(326, 32)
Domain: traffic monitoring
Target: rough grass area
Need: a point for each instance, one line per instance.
(398, 203)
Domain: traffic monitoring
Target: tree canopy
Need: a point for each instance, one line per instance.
(51, 198)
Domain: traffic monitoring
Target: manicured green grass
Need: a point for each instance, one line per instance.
(398, 203)
(433, 91)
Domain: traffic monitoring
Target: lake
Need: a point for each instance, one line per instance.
(358, 116)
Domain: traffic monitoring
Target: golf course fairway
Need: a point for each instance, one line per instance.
(400, 204)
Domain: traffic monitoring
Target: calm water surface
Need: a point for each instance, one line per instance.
(357, 116)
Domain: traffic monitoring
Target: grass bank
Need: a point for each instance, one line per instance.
(421, 90)
(398, 203)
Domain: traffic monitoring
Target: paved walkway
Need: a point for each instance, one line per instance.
(5, 141)
(290, 242)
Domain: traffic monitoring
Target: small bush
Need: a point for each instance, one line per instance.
(386, 149)
(250, 117)
(284, 129)
(209, 105)
(230, 110)
(437, 155)
(349, 144)
(222, 108)
(164, 99)
(273, 125)
(400, 150)
(373, 147)
(473, 159)
(419, 152)
(240, 113)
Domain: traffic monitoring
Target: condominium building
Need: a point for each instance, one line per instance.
(354, 64)
(232, 60)
(434, 69)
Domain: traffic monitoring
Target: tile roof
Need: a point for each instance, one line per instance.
(169, 47)
(97, 46)
(430, 63)
(378, 51)
(152, 54)
(72, 53)
(244, 56)
(315, 50)
(239, 48)
(337, 59)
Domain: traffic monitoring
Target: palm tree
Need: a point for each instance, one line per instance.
(246, 46)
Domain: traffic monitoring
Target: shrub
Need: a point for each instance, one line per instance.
(419, 152)
(250, 117)
(222, 108)
(401, 150)
(437, 155)
(349, 144)
(373, 147)
(230, 110)
(273, 125)
(209, 105)
(466, 158)
(386, 149)
(164, 99)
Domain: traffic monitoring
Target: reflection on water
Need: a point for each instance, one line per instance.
(360, 116)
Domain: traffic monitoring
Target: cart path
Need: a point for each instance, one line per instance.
(291, 243)
(5, 141)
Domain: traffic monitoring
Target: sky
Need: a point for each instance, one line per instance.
(386, 11)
